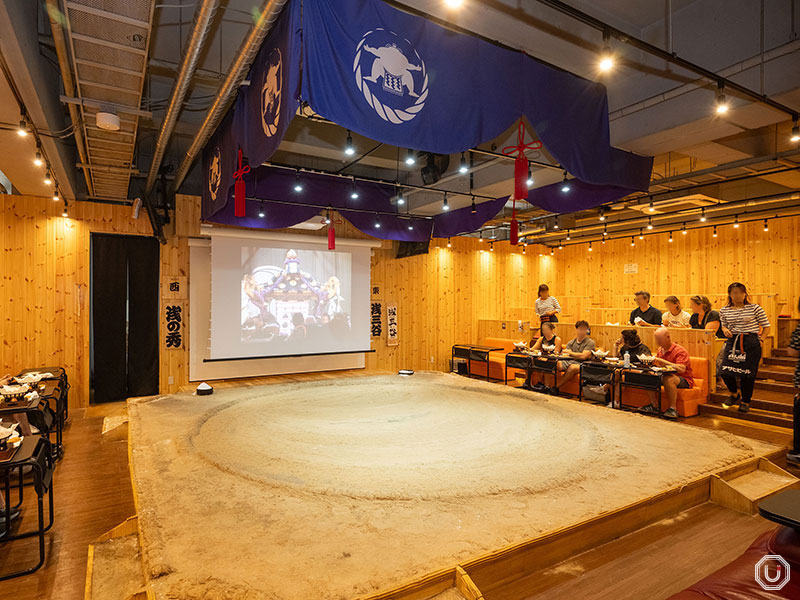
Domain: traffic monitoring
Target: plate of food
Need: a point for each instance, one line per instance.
(29, 378)
(15, 390)
(646, 359)
(601, 354)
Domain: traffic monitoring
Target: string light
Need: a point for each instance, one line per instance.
(736, 222)
(349, 149)
(722, 101)
(649, 222)
(463, 169)
(410, 160)
(702, 215)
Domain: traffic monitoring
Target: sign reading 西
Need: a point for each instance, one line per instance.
(391, 325)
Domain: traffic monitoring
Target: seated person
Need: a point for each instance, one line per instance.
(675, 315)
(548, 342)
(675, 356)
(645, 315)
(703, 316)
(580, 348)
(631, 343)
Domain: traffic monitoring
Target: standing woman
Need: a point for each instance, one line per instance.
(744, 324)
(547, 307)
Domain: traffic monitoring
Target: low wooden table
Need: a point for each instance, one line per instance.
(472, 352)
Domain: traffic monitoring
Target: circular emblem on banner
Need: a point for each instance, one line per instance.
(214, 174)
(391, 75)
(271, 93)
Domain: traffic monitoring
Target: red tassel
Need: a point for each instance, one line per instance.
(513, 234)
(239, 189)
(331, 237)
(521, 177)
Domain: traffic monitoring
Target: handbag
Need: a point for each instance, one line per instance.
(741, 356)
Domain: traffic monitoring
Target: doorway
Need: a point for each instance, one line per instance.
(124, 285)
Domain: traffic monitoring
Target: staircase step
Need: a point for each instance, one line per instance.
(776, 373)
(775, 406)
(784, 361)
(781, 352)
(755, 415)
(775, 386)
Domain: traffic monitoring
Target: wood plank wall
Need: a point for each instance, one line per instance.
(440, 296)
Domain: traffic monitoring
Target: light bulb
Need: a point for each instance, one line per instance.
(37, 160)
(463, 166)
(445, 205)
(606, 63)
(703, 215)
(48, 179)
(590, 246)
(670, 236)
(410, 160)
(349, 150)
(22, 130)
(652, 207)
(795, 133)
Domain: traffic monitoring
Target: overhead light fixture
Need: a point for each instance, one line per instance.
(298, 185)
(569, 237)
(650, 222)
(552, 252)
(633, 243)
(607, 58)
(22, 130)
(795, 132)
(261, 213)
(603, 241)
(410, 227)
(736, 222)
(722, 101)
(670, 236)
(652, 207)
(523, 247)
(702, 215)
(445, 205)
(328, 217)
(349, 149)
(560, 246)
(555, 224)
(400, 199)
(453, 4)
(37, 159)
(353, 190)
(377, 224)
(683, 228)
(602, 215)
(766, 225)
(565, 184)
(473, 210)
(449, 245)
(480, 235)
(55, 196)
(641, 234)
(715, 231)
(410, 160)
(590, 246)
(64, 213)
(491, 246)
(529, 182)
(462, 168)
(48, 178)
(605, 229)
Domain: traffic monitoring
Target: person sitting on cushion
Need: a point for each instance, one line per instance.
(580, 348)
(674, 356)
(675, 315)
(631, 343)
(548, 342)
(645, 315)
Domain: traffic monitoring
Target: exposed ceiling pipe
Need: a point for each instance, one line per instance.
(203, 16)
(56, 16)
(230, 85)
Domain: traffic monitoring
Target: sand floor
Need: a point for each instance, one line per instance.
(344, 487)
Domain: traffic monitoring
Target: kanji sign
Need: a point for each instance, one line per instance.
(173, 318)
(391, 325)
(376, 323)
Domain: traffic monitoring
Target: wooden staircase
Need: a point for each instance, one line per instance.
(773, 396)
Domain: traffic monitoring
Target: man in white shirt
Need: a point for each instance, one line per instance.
(675, 315)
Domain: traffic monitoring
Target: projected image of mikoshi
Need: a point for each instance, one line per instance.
(295, 298)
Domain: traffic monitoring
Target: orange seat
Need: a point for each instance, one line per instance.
(497, 360)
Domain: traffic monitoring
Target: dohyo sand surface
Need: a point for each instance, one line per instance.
(344, 487)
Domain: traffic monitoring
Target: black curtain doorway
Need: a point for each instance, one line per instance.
(125, 296)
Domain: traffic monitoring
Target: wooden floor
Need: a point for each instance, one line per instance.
(93, 494)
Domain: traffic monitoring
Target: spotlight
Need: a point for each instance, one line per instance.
(766, 225)
(552, 252)
(400, 199)
(261, 213)
(491, 246)
(328, 218)
(569, 237)
(298, 186)
(410, 227)
(683, 229)
(48, 178)
(449, 245)
(795, 132)
(605, 230)
(602, 215)
(607, 59)
(560, 246)
(377, 224)
(480, 236)
(22, 130)
(736, 222)
(590, 246)
(353, 191)
(55, 196)
(555, 225)
(410, 160)
(603, 241)
(349, 150)
(65, 214)
(722, 101)
(453, 4)
(650, 222)
(523, 248)
(445, 205)
(670, 236)
(565, 184)
(473, 210)
(633, 243)
(715, 231)
(641, 234)
(652, 207)
(463, 166)
(37, 160)
(530, 176)
(702, 215)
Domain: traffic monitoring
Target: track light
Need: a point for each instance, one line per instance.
(552, 252)
(702, 215)
(491, 246)
(766, 225)
(445, 205)
(480, 236)
(529, 182)
(523, 247)
(55, 196)
(410, 227)
(48, 178)
(607, 58)
(736, 222)
(560, 246)
(641, 234)
(349, 149)
(22, 130)
(632, 242)
(722, 101)
(462, 168)
(565, 184)
(65, 214)
(261, 213)
(569, 237)
(473, 210)
(602, 215)
(555, 224)
(453, 4)
(649, 222)
(795, 132)
(603, 241)
(715, 231)
(400, 199)
(353, 190)
(590, 246)
(298, 185)
(377, 224)
(652, 207)
(683, 229)
(37, 159)
(328, 217)
(449, 245)
(410, 160)
(670, 236)
(605, 229)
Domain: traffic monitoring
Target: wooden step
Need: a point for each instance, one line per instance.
(742, 490)
(775, 386)
(776, 406)
(756, 415)
(776, 373)
(781, 352)
(783, 361)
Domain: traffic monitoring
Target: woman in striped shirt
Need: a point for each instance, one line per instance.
(547, 307)
(744, 324)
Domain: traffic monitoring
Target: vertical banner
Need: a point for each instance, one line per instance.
(391, 324)
(375, 318)
(173, 312)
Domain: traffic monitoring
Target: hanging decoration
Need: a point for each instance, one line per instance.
(331, 233)
(521, 171)
(239, 203)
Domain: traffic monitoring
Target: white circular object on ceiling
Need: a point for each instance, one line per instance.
(108, 121)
